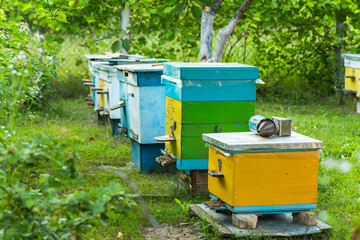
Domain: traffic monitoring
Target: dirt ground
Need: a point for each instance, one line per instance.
(173, 232)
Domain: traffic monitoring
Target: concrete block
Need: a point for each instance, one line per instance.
(307, 218)
(245, 221)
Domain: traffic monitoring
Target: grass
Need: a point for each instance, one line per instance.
(339, 172)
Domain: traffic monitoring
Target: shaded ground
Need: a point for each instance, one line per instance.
(173, 232)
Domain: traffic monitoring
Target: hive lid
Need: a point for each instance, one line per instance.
(107, 67)
(248, 141)
(129, 59)
(210, 71)
(355, 57)
(141, 68)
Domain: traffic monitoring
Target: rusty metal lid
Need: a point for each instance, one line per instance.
(250, 142)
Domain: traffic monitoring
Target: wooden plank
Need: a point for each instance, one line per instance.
(197, 210)
(210, 90)
(207, 71)
(164, 138)
(209, 112)
(189, 143)
(274, 225)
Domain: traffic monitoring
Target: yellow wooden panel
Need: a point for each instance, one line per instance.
(101, 96)
(91, 78)
(174, 147)
(174, 109)
(352, 83)
(268, 178)
(222, 187)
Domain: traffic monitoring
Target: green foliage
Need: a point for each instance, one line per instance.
(33, 200)
(38, 179)
(184, 206)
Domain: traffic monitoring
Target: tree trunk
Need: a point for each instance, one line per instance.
(207, 21)
(125, 21)
(226, 32)
(338, 73)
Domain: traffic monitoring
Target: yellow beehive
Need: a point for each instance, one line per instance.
(254, 174)
(352, 73)
(101, 96)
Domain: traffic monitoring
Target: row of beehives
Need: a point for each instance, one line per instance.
(177, 103)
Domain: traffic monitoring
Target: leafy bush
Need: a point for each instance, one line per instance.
(34, 200)
(37, 177)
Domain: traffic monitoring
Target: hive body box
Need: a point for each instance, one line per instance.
(352, 76)
(264, 175)
(94, 74)
(95, 60)
(144, 112)
(205, 98)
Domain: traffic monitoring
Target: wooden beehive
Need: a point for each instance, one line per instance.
(205, 98)
(252, 174)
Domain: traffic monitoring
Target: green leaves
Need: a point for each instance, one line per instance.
(126, 44)
(196, 12)
(116, 46)
(179, 8)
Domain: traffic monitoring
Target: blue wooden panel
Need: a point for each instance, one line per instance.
(124, 117)
(144, 155)
(115, 124)
(140, 74)
(146, 112)
(191, 164)
(271, 209)
(212, 90)
(208, 71)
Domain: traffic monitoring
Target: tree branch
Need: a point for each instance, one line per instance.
(232, 47)
(305, 59)
(226, 32)
(207, 22)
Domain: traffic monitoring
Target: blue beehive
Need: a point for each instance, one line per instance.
(106, 86)
(143, 115)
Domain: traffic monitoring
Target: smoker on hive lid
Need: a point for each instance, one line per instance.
(143, 111)
(261, 125)
(352, 76)
(205, 98)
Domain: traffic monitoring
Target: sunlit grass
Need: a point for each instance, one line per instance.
(339, 174)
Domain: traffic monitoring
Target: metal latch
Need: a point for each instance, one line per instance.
(215, 173)
(259, 81)
(130, 94)
(352, 77)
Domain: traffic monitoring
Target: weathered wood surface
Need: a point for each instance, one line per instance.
(210, 71)
(275, 225)
(210, 90)
(189, 143)
(144, 155)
